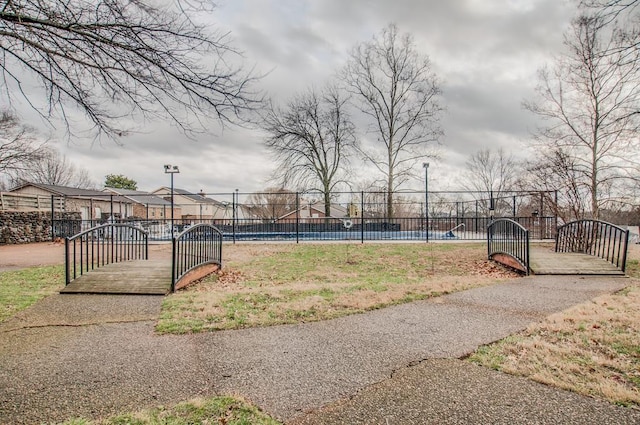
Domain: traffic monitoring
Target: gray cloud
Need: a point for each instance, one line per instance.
(485, 52)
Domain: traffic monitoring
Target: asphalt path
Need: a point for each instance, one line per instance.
(96, 355)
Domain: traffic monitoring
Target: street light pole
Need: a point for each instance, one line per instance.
(426, 199)
(171, 169)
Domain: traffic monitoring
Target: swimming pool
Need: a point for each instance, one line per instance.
(343, 235)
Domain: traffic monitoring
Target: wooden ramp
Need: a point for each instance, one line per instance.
(141, 277)
(546, 261)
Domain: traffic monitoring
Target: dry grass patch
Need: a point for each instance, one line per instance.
(267, 284)
(592, 348)
(225, 410)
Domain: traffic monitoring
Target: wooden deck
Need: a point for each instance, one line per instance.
(141, 277)
(545, 261)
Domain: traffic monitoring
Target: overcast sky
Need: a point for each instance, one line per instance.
(486, 52)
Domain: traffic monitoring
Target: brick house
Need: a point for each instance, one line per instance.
(147, 205)
(196, 206)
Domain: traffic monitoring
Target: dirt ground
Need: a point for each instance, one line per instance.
(20, 256)
(49, 253)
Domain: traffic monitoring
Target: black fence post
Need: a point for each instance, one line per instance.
(362, 217)
(556, 210)
(476, 218)
(53, 233)
(297, 217)
(67, 271)
(233, 215)
(174, 266)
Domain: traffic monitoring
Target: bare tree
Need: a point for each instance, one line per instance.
(311, 140)
(399, 94)
(272, 203)
(117, 58)
(491, 172)
(588, 100)
(375, 202)
(556, 177)
(439, 205)
(19, 146)
(55, 169)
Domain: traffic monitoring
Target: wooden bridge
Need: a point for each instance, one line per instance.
(583, 247)
(114, 259)
(545, 261)
(141, 277)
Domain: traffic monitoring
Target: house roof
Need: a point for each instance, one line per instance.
(70, 191)
(336, 211)
(195, 197)
(140, 197)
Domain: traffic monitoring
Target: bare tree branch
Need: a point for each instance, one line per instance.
(19, 147)
(490, 172)
(53, 168)
(312, 140)
(272, 203)
(400, 94)
(114, 59)
(588, 101)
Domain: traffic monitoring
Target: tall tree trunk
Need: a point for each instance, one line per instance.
(390, 176)
(390, 196)
(327, 203)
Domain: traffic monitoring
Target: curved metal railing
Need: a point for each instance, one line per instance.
(196, 246)
(507, 238)
(102, 245)
(594, 237)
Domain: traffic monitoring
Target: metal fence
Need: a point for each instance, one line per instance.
(360, 216)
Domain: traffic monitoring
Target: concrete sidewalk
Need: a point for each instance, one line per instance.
(395, 365)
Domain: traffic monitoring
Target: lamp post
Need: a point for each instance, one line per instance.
(171, 169)
(426, 199)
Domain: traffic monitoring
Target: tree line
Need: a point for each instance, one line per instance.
(117, 60)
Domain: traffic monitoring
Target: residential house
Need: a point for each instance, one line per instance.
(146, 205)
(197, 207)
(92, 204)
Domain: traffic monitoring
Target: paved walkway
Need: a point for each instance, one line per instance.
(96, 355)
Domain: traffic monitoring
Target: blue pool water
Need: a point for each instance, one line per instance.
(345, 235)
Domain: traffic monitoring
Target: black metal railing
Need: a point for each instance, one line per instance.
(506, 237)
(373, 229)
(367, 229)
(102, 245)
(195, 246)
(594, 237)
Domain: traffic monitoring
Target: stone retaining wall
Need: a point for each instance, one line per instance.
(18, 227)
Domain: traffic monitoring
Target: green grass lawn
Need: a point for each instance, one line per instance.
(21, 288)
(264, 285)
